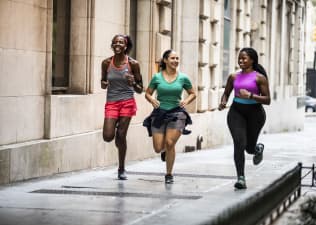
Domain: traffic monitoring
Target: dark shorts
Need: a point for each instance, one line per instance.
(179, 124)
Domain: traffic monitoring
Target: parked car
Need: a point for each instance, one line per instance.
(310, 104)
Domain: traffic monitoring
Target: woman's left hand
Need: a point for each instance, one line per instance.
(130, 79)
(183, 103)
(243, 93)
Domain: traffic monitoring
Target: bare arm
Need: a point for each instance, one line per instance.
(264, 97)
(148, 95)
(104, 67)
(191, 96)
(138, 81)
(228, 89)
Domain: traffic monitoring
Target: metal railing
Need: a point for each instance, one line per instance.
(265, 206)
(311, 171)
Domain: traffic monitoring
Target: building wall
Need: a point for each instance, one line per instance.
(42, 133)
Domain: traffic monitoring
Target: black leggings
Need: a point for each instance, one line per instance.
(245, 122)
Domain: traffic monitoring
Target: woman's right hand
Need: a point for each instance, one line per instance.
(104, 84)
(221, 106)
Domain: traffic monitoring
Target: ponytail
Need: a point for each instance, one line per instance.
(165, 55)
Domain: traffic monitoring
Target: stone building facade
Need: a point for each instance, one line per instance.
(51, 103)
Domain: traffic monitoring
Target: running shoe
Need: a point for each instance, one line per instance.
(121, 175)
(163, 156)
(168, 179)
(257, 158)
(241, 183)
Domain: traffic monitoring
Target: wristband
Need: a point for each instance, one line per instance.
(251, 95)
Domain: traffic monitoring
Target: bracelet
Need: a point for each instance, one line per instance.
(251, 95)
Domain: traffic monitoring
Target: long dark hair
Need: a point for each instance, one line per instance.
(165, 55)
(252, 53)
(128, 41)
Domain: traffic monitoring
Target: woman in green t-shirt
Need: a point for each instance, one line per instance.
(169, 118)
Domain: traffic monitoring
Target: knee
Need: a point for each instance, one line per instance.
(158, 148)
(170, 144)
(120, 135)
(240, 147)
(108, 137)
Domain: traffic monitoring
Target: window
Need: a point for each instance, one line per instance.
(133, 26)
(226, 42)
(60, 51)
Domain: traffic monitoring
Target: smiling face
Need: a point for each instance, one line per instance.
(118, 45)
(172, 61)
(244, 60)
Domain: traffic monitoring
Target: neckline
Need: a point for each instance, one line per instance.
(247, 73)
(176, 77)
(121, 66)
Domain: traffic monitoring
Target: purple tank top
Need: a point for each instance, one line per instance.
(246, 81)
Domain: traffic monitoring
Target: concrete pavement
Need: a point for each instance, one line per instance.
(203, 187)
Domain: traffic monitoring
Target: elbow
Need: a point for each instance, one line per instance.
(193, 96)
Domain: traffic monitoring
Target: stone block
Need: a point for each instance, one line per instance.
(34, 159)
(163, 43)
(205, 8)
(165, 20)
(4, 166)
(203, 54)
(204, 31)
(8, 115)
(216, 12)
(26, 78)
(29, 120)
(78, 36)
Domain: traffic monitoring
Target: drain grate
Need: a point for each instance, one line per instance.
(184, 175)
(116, 194)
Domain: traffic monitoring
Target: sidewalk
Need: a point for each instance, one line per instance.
(203, 187)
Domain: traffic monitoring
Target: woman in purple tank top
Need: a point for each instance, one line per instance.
(121, 77)
(246, 115)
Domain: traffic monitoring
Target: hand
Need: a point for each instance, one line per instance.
(183, 103)
(221, 106)
(104, 84)
(155, 103)
(243, 93)
(130, 79)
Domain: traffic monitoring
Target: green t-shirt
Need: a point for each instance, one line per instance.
(169, 94)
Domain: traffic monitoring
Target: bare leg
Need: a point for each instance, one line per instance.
(158, 142)
(172, 136)
(109, 129)
(120, 140)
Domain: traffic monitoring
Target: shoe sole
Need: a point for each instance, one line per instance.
(240, 186)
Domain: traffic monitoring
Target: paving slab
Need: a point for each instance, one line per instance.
(203, 187)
